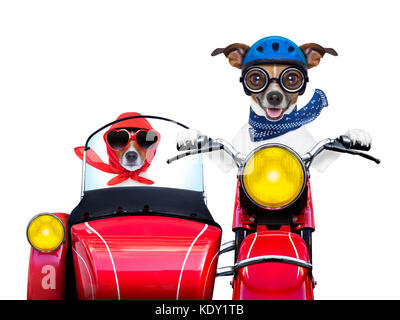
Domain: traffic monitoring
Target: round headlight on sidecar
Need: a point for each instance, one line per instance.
(273, 176)
(46, 232)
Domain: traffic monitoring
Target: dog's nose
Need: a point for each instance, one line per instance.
(274, 98)
(131, 156)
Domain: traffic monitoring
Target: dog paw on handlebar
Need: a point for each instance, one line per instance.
(359, 139)
(190, 139)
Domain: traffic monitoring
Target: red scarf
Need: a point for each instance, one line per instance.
(114, 166)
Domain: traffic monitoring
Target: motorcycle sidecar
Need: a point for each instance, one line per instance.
(146, 255)
(149, 236)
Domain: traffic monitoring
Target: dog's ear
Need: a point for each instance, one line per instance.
(234, 52)
(314, 52)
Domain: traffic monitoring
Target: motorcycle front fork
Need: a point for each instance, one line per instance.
(240, 234)
(306, 234)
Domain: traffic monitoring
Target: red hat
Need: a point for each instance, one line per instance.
(135, 123)
(114, 166)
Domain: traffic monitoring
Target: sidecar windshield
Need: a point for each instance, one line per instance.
(125, 172)
(132, 153)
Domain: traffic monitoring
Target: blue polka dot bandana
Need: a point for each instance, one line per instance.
(263, 129)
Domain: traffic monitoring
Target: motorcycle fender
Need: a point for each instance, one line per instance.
(46, 273)
(145, 257)
(273, 280)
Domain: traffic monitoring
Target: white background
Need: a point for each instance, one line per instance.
(67, 67)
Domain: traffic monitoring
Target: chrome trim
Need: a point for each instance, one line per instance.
(227, 247)
(273, 258)
(318, 147)
(45, 214)
(238, 157)
(83, 173)
(225, 271)
(270, 145)
(230, 271)
(203, 180)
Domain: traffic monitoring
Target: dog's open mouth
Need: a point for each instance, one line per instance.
(275, 113)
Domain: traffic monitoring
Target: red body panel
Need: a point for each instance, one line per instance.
(273, 280)
(145, 257)
(308, 212)
(240, 216)
(46, 275)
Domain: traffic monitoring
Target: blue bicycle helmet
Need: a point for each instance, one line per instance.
(274, 50)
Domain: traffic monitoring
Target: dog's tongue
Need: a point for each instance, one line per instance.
(274, 112)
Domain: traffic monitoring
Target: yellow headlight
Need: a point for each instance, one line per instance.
(273, 177)
(46, 232)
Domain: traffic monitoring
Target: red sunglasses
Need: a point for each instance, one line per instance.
(119, 139)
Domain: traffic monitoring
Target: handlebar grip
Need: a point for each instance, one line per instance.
(348, 143)
(198, 144)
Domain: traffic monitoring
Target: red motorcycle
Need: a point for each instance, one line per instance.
(147, 234)
(273, 218)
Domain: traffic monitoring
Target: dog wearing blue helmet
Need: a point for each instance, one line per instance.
(274, 73)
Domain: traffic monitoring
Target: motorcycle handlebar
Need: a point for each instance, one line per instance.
(342, 144)
(204, 145)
